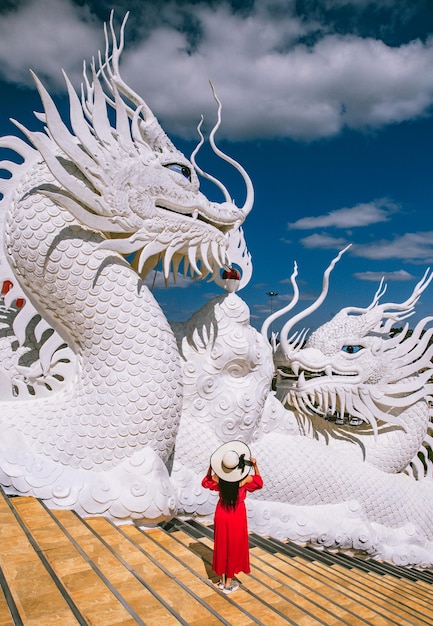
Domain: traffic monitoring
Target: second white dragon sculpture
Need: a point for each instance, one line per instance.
(365, 488)
(107, 410)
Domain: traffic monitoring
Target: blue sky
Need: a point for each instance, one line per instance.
(326, 103)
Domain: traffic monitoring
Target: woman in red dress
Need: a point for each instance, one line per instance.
(231, 464)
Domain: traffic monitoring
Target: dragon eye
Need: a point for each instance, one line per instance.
(351, 349)
(180, 169)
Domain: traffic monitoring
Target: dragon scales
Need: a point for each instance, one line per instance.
(106, 409)
(335, 486)
(80, 203)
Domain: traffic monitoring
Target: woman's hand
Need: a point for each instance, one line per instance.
(256, 469)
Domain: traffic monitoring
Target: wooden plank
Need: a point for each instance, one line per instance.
(38, 600)
(95, 601)
(239, 598)
(396, 598)
(177, 568)
(402, 591)
(296, 606)
(368, 606)
(175, 594)
(270, 593)
(351, 603)
(138, 596)
(5, 615)
(298, 587)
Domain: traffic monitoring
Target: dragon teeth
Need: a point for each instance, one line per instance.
(192, 258)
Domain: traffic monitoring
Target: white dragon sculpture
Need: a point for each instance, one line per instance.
(92, 423)
(104, 412)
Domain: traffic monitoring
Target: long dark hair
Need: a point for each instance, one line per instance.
(228, 492)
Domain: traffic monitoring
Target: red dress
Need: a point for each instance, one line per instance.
(231, 550)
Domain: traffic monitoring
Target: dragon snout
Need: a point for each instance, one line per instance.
(225, 214)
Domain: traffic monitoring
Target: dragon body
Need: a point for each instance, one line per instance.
(78, 205)
(339, 487)
(106, 409)
(87, 436)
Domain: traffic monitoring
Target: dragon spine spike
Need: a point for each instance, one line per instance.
(135, 128)
(111, 64)
(58, 130)
(43, 145)
(108, 81)
(379, 293)
(122, 125)
(21, 322)
(28, 154)
(101, 123)
(19, 146)
(97, 222)
(394, 311)
(41, 327)
(12, 168)
(79, 125)
(117, 48)
(156, 137)
(387, 325)
(86, 91)
(46, 353)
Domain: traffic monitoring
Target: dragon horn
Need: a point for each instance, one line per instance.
(249, 201)
(286, 346)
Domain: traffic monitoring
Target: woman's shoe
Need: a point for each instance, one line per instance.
(232, 587)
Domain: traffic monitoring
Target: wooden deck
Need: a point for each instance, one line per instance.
(58, 569)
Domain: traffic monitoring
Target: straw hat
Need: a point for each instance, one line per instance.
(231, 461)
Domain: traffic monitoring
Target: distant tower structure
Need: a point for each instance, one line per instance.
(272, 295)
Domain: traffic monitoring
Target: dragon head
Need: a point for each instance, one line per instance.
(356, 364)
(127, 180)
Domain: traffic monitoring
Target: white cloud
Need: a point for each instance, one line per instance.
(364, 214)
(47, 36)
(411, 246)
(324, 242)
(398, 275)
(271, 84)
